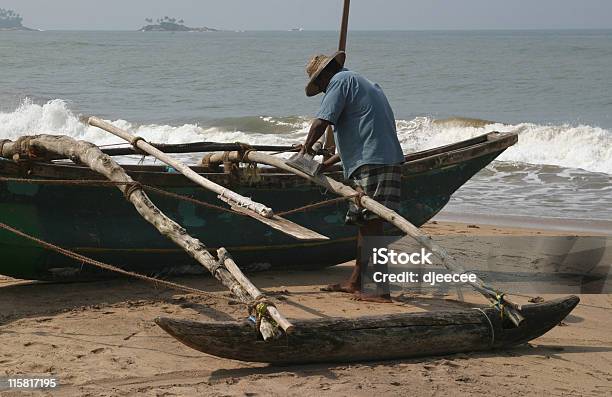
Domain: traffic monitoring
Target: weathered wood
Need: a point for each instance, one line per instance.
(182, 168)
(255, 293)
(386, 337)
(284, 225)
(197, 147)
(249, 207)
(90, 155)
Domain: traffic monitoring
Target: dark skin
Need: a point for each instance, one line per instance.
(369, 228)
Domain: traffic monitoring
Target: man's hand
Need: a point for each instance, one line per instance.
(317, 129)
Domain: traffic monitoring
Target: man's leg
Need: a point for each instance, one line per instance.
(353, 284)
(384, 185)
(373, 227)
(369, 228)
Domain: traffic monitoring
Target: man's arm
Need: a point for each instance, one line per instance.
(317, 129)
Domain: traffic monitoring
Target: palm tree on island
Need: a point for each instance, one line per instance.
(10, 20)
(168, 24)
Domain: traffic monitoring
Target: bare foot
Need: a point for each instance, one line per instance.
(349, 288)
(360, 296)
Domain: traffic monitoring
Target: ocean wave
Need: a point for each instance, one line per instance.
(55, 117)
(581, 146)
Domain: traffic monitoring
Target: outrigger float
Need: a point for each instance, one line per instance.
(372, 338)
(45, 203)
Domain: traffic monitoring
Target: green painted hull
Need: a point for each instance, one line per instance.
(98, 222)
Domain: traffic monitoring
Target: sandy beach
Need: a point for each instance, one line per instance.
(99, 339)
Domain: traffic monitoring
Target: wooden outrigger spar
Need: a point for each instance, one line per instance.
(237, 202)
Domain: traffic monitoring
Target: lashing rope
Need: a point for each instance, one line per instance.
(258, 308)
(490, 325)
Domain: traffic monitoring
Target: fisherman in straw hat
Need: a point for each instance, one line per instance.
(367, 144)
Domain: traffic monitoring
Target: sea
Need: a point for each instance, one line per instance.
(552, 87)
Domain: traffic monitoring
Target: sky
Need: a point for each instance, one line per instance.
(317, 14)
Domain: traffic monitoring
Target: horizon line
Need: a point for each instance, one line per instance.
(336, 30)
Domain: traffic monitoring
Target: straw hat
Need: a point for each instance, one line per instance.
(317, 64)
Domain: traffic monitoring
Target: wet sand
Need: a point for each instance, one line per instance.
(99, 339)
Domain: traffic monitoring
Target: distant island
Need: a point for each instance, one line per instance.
(167, 24)
(10, 20)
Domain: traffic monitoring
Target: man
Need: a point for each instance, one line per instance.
(367, 144)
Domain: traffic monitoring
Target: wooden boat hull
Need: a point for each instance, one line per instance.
(388, 337)
(99, 222)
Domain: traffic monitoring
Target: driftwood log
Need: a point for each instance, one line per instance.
(511, 309)
(236, 201)
(89, 154)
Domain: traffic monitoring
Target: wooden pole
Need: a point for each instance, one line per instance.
(239, 203)
(330, 143)
(90, 155)
(344, 25)
(512, 310)
(182, 168)
(255, 293)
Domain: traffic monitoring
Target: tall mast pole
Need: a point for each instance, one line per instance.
(344, 25)
(329, 137)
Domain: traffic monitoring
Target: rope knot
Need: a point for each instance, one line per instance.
(2, 143)
(134, 142)
(220, 263)
(358, 198)
(131, 188)
(498, 303)
(243, 151)
(258, 308)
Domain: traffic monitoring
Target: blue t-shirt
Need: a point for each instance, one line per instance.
(364, 124)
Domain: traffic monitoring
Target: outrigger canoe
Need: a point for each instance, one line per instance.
(98, 222)
(387, 337)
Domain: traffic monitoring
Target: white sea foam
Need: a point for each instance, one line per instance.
(581, 146)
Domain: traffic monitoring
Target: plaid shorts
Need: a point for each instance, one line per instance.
(383, 183)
